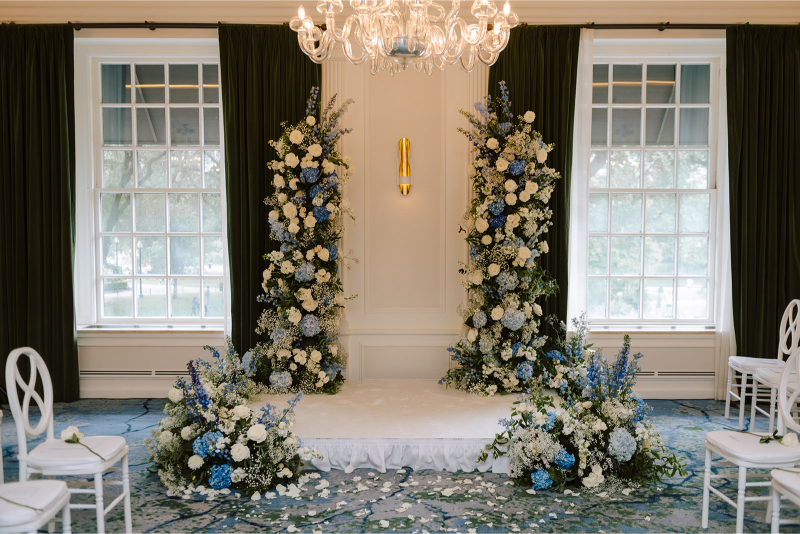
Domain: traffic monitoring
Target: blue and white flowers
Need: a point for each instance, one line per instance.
(302, 288)
(504, 227)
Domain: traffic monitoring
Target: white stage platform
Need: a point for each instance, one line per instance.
(391, 424)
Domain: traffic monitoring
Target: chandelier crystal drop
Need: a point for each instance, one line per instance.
(396, 34)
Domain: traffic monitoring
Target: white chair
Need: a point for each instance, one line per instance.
(745, 367)
(54, 457)
(786, 484)
(770, 376)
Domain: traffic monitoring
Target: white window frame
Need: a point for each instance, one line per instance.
(90, 53)
(666, 51)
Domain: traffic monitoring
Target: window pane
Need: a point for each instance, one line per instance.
(694, 126)
(183, 86)
(625, 168)
(116, 254)
(210, 83)
(598, 169)
(185, 297)
(626, 255)
(115, 212)
(695, 84)
(184, 255)
(695, 213)
(211, 126)
(115, 81)
(185, 168)
(692, 298)
(597, 297)
(117, 168)
(151, 297)
(599, 127)
(692, 255)
(626, 127)
(627, 84)
(151, 255)
(117, 297)
(117, 127)
(184, 213)
(149, 210)
(624, 298)
(600, 84)
(598, 213)
(658, 298)
(660, 127)
(213, 300)
(626, 213)
(660, 213)
(184, 126)
(149, 84)
(151, 126)
(211, 166)
(152, 168)
(692, 169)
(659, 255)
(659, 169)
(212, 212)
(598, 255)
(212, 255)
(660, 84)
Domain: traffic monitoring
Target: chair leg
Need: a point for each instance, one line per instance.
(51, 525)
(127, 489)
(742, 399)
(772, 410)
(706, 483)
(66, 520)
(754, 390)
(740, 500)
(98, 489)
(728, 393)
(776, 511)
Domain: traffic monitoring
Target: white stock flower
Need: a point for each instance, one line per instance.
(529, 116)
(324, 254)
(511, 199)
(240, 452)
(543, 247)
(494, 269)
(278, 181)
(242, 411)
(175, 395)
(510, 186)
(310, 221)
(486, 240)
(71, 431)
(296, 137)
(291, 160)
(195, 462)
(294, 315)
(310, 120)
(492, 144)
(257, 433)
(287, 267)
(472, 335)
(502, 164)
(315, 150)
(497, 313)
(541, 155)
(290, 210)
(481, 224)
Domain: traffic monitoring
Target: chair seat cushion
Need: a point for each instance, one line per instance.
(746, 448)
(791, 481)
(42, 494)
(54, 454)
(772, 378)
(745, 363)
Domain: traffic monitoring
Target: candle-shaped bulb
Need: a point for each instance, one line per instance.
(301, 13)
(506, 8)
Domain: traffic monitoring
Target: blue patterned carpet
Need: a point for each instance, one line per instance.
(368, 501)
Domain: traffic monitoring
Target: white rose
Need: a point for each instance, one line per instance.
(282, 198)
(334, 349)
(310, 221)
(240, 452)
(492, 143)
(287, 267)
(529, 116)
(283, 353)
(531, 188)
(71, 431)
(324, 254)
(481, 224)
(510, 186)
(476, 278)
(278, 181)
(296, 137)
(290, 210)
(293, 184)
(310, 254)
(543, 248)
(497, 313)
(186, 433)
(195, 462)
(267, 274)
(537, 309)
(790, 440)
(175, 395)
(541, 155)
(511, 199)
(501, 164)
(294, 315)
(311, 121)
(524, 196)
(257, 433)
(494, 269)
(291, 160)
(524, 253)
(310, 305)
(315, 150)
(316, 355)
(472, 335)
(486, 240)
(293, 228)
(241, 412)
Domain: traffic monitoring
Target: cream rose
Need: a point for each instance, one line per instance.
(524, 196)
(529, 116)
(492, 144)
(310, 305)
(315, 150)
(494, 269)
(511, 199)
(310, 221)
(476, 278)
(267, 274)
(241, 411)
(324, 254)
(287, 267)
(293, 184)
(195, 462)
(481, 224)
(278, 180)
(290, 210)
(543, 247)
(524, 253)
(790, 440)
(510, 186)
(502, 164)
(498, 313)
(239, 452)
(541, 155)
(531, 188)
(316, 355)
(293, 228)
(291, 160)
(71, 431)
(486, 240)
(472, 335)
(537, 309)
(310, 120)
(294, 315)
(186, 433)
(175, 395)
(296, 137)
(257, 433)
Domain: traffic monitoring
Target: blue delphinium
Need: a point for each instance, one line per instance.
(305, 273)
(497, 206)
(517, 167)
(621, 445)
(564, 460)
(513, 320)
(479, 319)
(220, 476)
(310, 326)
(309, 175)
(507, 280)
(541, 479)
(321, 213)
(497, 221)
(642, 409)
(524, 371)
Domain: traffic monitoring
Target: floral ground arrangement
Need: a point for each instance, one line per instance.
(365, 501)
(504, 225)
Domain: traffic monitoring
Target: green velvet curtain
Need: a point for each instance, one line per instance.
(540, 67)
(763, 77)
(37, 199)
(266, 80)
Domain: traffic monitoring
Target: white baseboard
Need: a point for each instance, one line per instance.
(147, 387)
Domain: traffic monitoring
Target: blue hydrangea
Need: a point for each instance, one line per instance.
(541, 480)
(507, 280)
(310, 326)
(333, 180)
(479, 319)
(321, 213)
(473, 252)
(277, 334)
(564, 460)
(513, 320)
(621, 445)
(206, 445)
(517, 167)
(248, 363)
(220, 476)
(497, 221)
(486, 345)
(524, 371)
(299, 198)
(555, 355)
(515, 348)
(318, 190)
(333, 252)
(551, 421)
(305, 273)
(309, 175)
(280, 379)
(497, 206)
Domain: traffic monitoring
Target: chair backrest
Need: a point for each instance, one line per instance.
(787, 399)
(21, 411)
(790, 330)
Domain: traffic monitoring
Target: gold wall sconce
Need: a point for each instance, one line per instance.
(404, 180)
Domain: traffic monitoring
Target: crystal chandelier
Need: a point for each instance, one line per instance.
(395, 34)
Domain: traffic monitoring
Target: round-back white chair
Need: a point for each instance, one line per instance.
(55, 457)
(786, 484)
